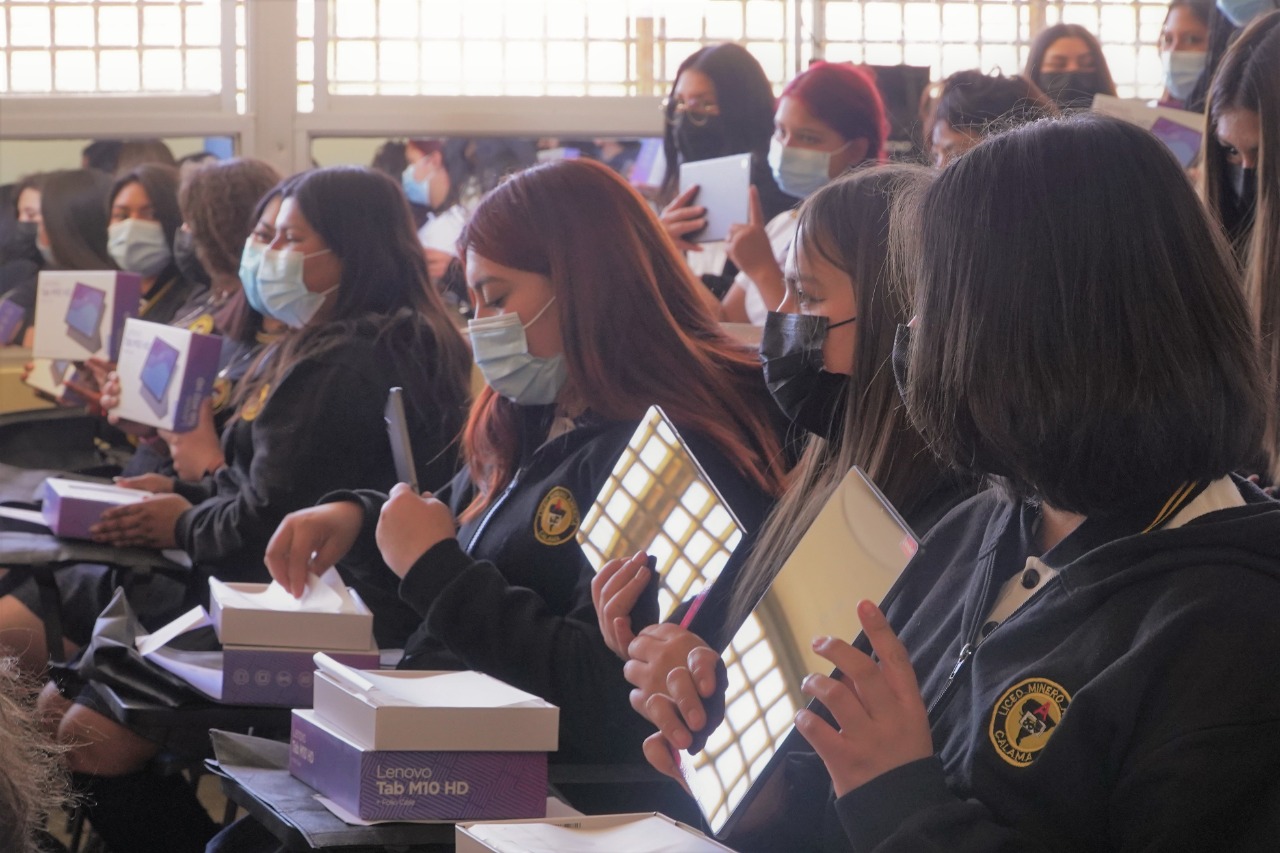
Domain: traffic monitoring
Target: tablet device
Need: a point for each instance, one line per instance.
(398, 432)
(855, 549)
(1183, 141)
(724, 189)
(658, 499)
(84, 313)
(157, 368)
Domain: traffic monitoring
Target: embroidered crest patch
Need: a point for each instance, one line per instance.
(202, 325)
(1025, 718)
(557, 517)
(254, 405)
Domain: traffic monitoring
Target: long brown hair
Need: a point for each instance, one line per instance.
(73, 204)
(847, 223)
(636, 331)
(1249, 79)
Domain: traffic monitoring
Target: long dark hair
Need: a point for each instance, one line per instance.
(636, 332)
(1093, 349)
(987, 103)
(384, 291)
(847, 222)
(1040, 46)
(1249, 79)
(73, 204)
(744, 96)
(161, 185)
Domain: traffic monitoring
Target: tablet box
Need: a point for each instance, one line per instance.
(603, 833)
(405, 710)
(82, 314)
(239, 623)
(50, 377)
(724, 189)
(165, 373)
(12, 317)
(256, 675)
(71, 507)
(415, 785)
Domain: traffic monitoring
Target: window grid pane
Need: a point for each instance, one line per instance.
(82, 47)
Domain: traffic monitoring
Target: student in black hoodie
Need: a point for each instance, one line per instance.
(346, 274)
(586, 317)
(1084, 657)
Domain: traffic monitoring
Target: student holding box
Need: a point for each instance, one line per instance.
(1082, 654)
(585, 318)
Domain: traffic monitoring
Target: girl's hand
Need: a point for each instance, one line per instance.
(157, 483)
(411, 525)
(614, 591)
(883, 723)
(198, 451)
(680, 683)
(309, 541)
(149, 523)
(680, 219)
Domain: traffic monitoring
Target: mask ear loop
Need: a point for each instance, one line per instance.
(538, 316)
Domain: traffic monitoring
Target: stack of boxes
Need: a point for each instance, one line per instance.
(424, 746)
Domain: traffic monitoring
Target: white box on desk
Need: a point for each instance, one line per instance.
(588, 834)
(81, 314)
(239, 623)
(165, 374)
(434, 711)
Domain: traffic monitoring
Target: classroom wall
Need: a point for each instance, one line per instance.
(20, 157)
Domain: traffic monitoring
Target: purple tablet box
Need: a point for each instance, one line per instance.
(11, 319)
(415, 785)
(165, 374)
(82, 313)
(71, 507)
(252, 675)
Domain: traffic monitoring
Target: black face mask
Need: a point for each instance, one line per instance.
(1242, 198)
(810, 397)
(21, 244)
(184, 255)
(1071, 90)
(699, 142)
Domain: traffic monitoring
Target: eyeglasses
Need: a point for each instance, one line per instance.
(697, 113)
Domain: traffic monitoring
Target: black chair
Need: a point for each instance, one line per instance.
(62, 440)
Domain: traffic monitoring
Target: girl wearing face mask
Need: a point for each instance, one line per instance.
(433, 178)
(20, 259)
(828, 369)
(1184, 46)
(720, 104)
(1242, 186)
(829, 119)
(144, 223)
(1067, 63)
(344, 272)
(585, 317)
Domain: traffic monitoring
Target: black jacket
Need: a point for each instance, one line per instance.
(500, 600)
(320, 428)
(1128, 705)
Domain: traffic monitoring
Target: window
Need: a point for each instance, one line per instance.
(120, 46)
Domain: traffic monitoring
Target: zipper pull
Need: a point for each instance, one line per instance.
(965, 653)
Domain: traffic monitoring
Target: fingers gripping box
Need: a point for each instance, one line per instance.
(165, 374)
(71, 507)
(82, 314)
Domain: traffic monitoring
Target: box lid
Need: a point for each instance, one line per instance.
(635, 833)
(409, 689)
(97, 492)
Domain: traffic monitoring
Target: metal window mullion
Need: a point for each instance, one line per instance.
(228, 55)
(321, 40)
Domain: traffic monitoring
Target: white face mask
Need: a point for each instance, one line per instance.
(800, 172)
(502, 355)
(1182, 70)
(139, 246)
(282, 292)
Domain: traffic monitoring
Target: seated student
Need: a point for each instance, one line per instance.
(851, 302)
(345, 274)
(586, 317)
(829, 119)
(1057, 672)
(433, 178)
(20, 258)
(1066, 62)
(1244, 113)
(971, 105)
(1184, 49)
(217, 202)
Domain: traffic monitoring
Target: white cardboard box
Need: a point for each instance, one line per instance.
(81, 314)
(433, 711)
(165, 374)
(634, 833)
(259, 614)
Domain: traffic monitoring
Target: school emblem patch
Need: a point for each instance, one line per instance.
(557, 517)
(253, 406)
(221, 393)
(202, 325)
(1025, 718)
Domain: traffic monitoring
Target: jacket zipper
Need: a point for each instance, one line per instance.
(493, 507)
(968, 649)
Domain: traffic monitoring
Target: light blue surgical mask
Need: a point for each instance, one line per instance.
(502, 354)
(282, 291)
(1241, 12)
(139, 246)
(250, 260)
(800, 172)
(419, 192)
(1182, 71)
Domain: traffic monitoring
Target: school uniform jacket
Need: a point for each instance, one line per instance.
(1130, 704)
(511, 595)
(319, 428)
